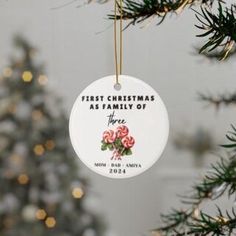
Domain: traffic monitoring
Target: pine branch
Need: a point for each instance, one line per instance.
(220, 29)
(208, 225)
(192, 221)
(196, 222)
(231, 136)
(138, 12)
(175, 221)
(219, 100)
(222, 177)
(213, 56)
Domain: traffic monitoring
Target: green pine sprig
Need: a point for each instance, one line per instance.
(219, 180)
(217, 225)
(219, 100)
(192, 222)
(139, 11)
(220, 28)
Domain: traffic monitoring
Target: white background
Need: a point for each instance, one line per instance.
(163, 56)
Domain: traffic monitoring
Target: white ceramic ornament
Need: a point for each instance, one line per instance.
(119, 133)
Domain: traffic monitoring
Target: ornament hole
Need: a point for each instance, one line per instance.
(117, 86)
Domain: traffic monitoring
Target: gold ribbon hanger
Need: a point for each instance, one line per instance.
(118, 67)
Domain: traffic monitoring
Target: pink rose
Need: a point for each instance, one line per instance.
(122, 131)
(128, 142)
(109, 136)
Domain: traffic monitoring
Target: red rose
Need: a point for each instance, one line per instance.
(122, 131)
(128, 142)
(109, 136)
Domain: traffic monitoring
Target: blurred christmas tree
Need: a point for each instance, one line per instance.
(41, 190)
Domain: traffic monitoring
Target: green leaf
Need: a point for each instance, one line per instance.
(104, 147)
(127, 152)
(110, 147)
(118, 142)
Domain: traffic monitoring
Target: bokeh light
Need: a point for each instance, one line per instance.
(42, 80)
(27, 76)
(41, 214)
(23, 179)
(39, 149)
(77, 192)
(50, 222)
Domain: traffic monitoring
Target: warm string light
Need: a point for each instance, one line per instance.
(40, 214)
(50, 222)
(77, 193)
(42, 80)
(23, 179)
(50, 144)
(27, 76)
(39, 149)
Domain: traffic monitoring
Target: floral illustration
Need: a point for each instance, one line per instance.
(119, 141)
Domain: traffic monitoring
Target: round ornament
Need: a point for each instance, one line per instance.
(119, 131)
